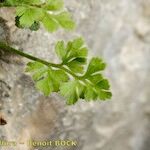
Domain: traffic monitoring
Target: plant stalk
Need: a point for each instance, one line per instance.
(12, 50)
(23, 5)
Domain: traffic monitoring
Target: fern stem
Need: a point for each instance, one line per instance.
(23, 5)
(19, 52)
(7, 48)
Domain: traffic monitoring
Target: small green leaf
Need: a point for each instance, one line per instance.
(20, 11)
(82, 53)
(76, 50)
(12, 2)
(45, 86)
(39, 74)
(95, 65)
(58, 77)
(72, 91)
(69, 91)
(90, 93)
(103, 95)
(34, 66)
(75, 66)
(44, 75)
(29, 15)
(95, 78)
(54, 5)
(60, 49)
(37, 2)
(77, 43)
(65, 20)
(74, 55)
(50, 23)
(104, 84)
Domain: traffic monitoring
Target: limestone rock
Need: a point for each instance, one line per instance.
(118, 31)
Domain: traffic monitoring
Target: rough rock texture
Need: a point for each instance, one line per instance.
(117, 30)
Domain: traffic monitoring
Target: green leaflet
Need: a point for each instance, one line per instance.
(76, 66)
(73, 55)
(69, 91)
(72, 91)
(90, 93)
(29, 15)
(53, 21)
(65, 21)
(50, 23)
(45, 85)
(70, 77)
(103, 84)
(95, 65)
(98, 91)
(54, 5)
(60, 50)
(47, 79)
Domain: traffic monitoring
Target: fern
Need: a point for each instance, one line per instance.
(50, 13)
(74, 77)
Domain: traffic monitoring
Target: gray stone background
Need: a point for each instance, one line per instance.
(118, 31)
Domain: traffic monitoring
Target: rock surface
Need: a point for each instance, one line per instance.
(117, 30)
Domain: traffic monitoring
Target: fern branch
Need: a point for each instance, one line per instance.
(22, 5)
(31, 14)
(69, 77)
